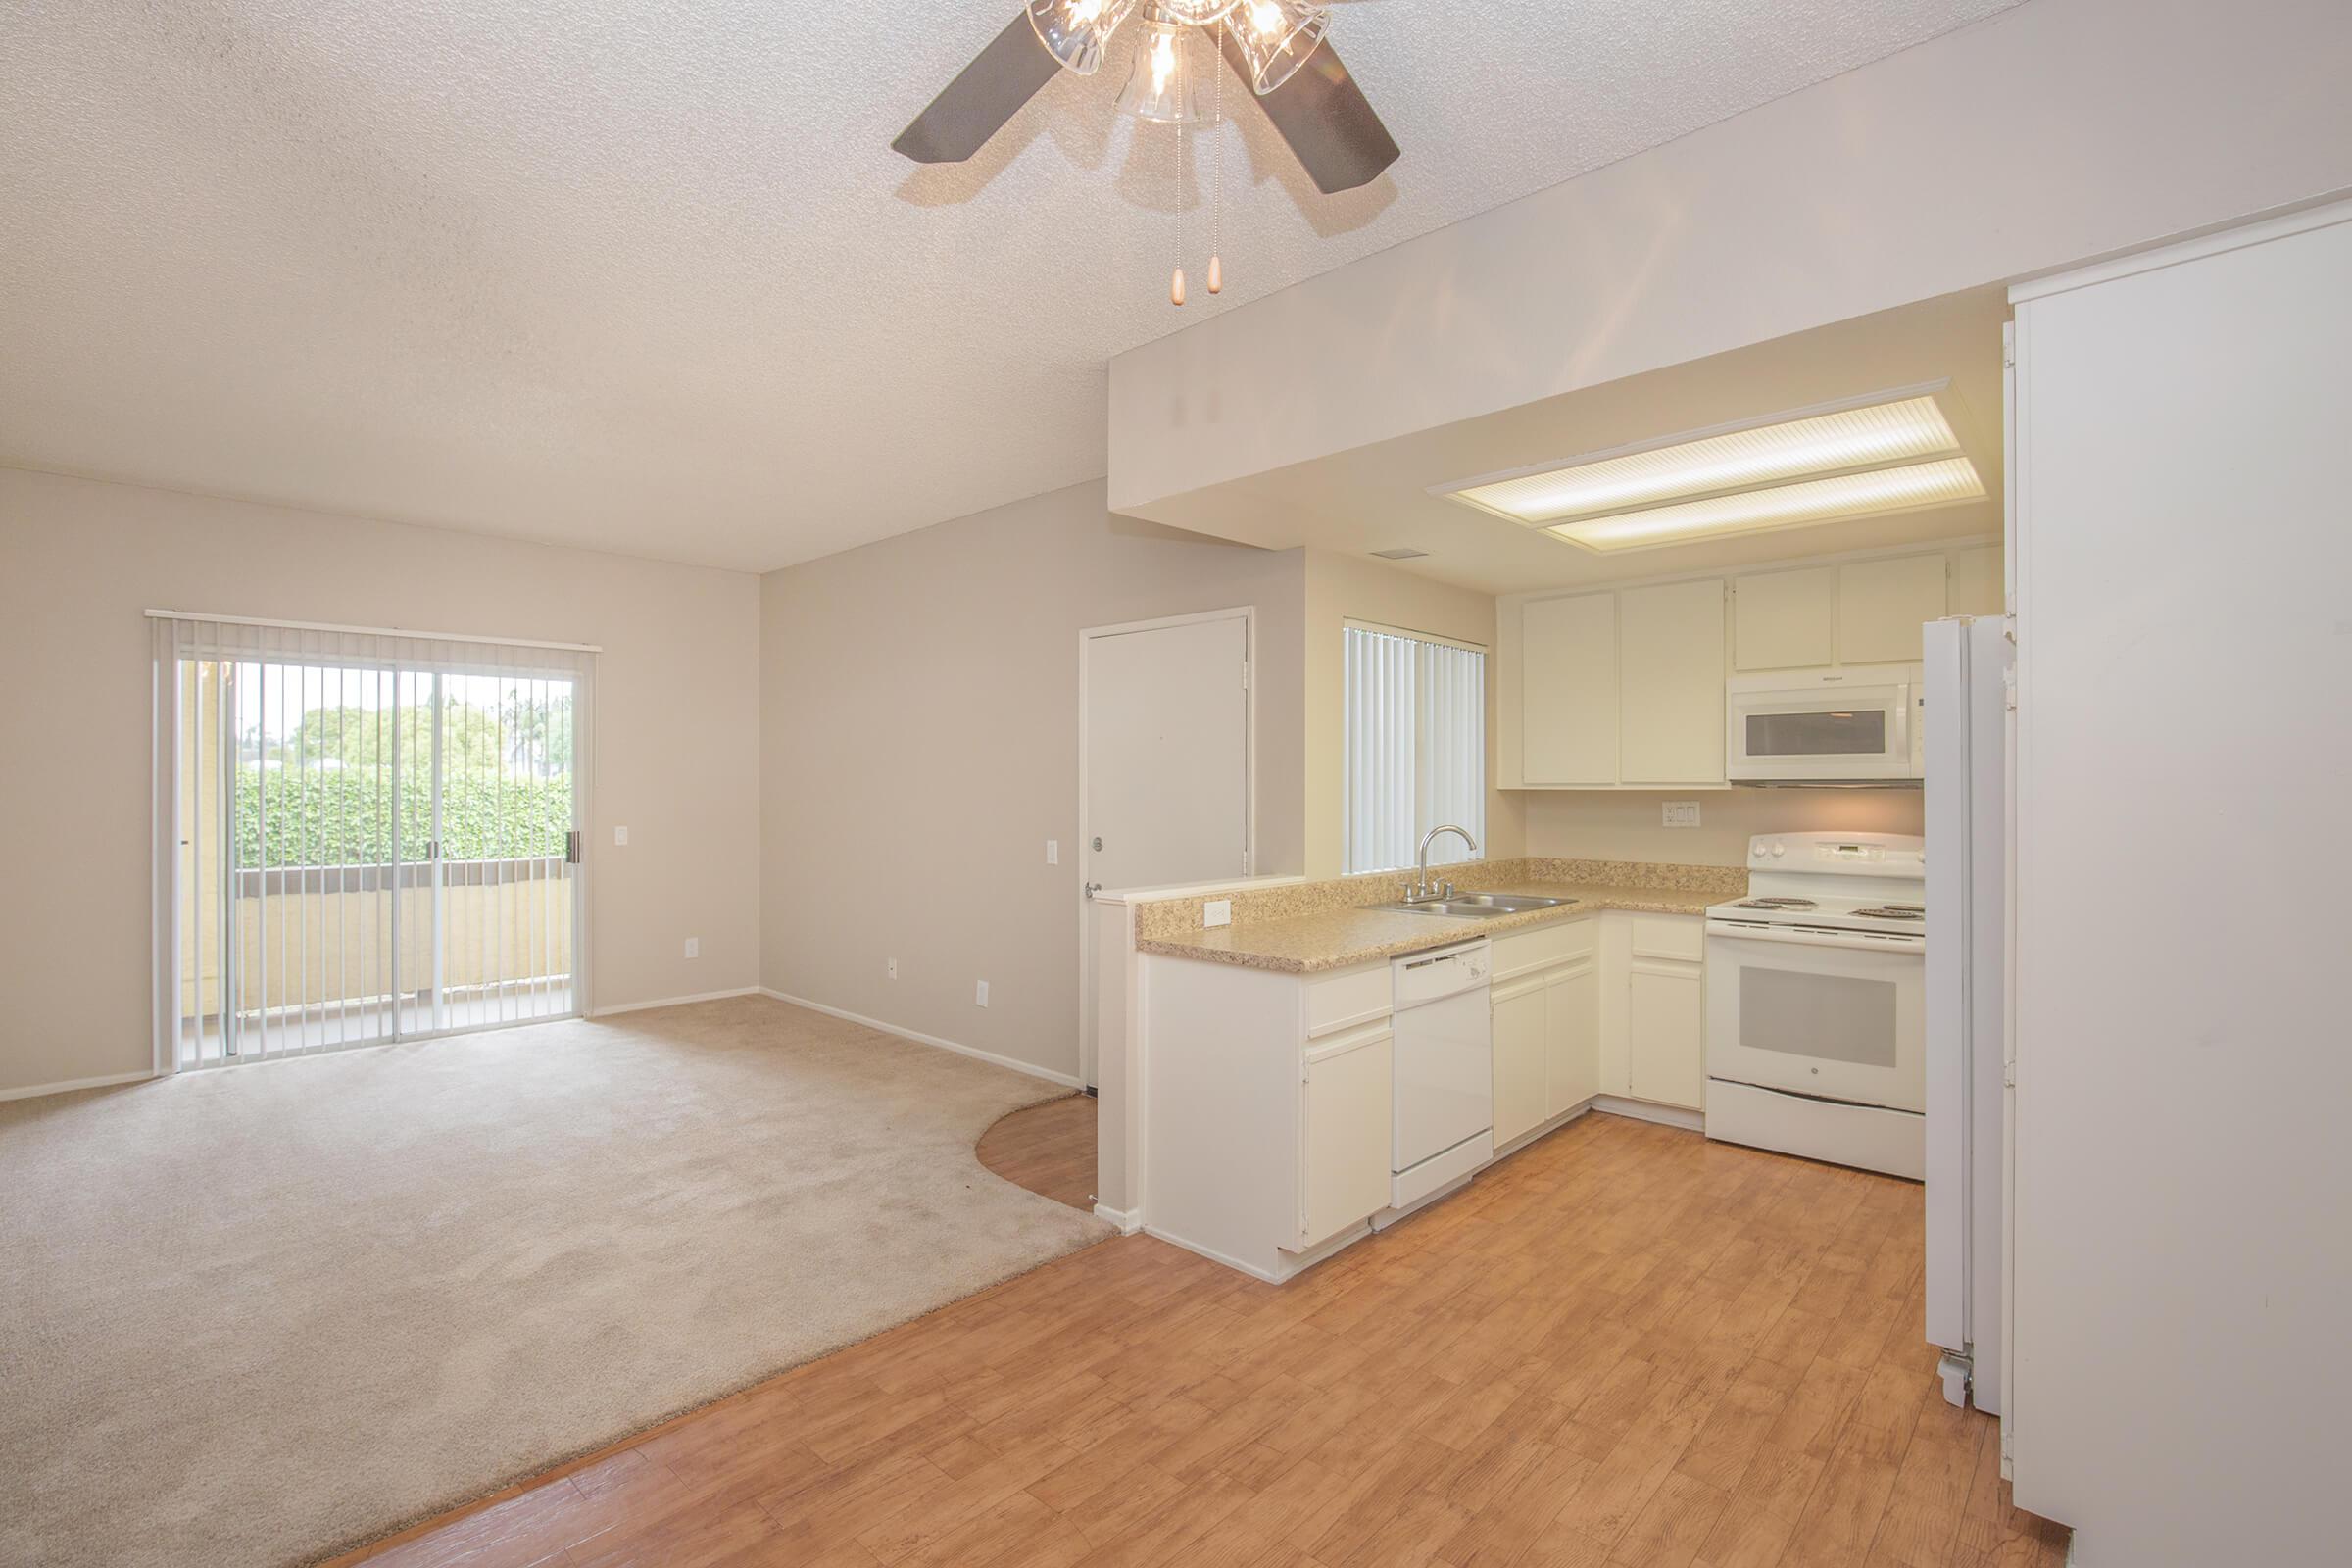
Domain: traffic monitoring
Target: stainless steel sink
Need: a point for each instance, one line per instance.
(1478, 906)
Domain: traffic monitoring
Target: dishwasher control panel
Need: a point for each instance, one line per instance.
(1420, 977)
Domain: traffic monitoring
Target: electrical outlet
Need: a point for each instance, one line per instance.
(694, 947)
(890, 970)
(1053, 851)
(621, 837)
(980, 995)
(1679, 813)
(1217, 911)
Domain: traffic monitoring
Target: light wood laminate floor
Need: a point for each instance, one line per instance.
(1048, 1149)
(1623, 1346)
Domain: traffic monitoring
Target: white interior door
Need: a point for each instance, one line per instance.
(1165, 793)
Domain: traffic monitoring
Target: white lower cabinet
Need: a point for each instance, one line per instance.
(1653, 982)
(1344, 1132)
(1572, 1035)
(1547, 1025)
(1267, 1131)
(1522, 1057)
(1665, 1012)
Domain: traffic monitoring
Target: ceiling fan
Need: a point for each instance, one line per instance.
(1277, 46)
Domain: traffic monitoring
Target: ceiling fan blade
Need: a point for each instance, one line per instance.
(983, 96)
(1326, 119)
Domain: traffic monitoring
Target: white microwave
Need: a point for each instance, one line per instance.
(1855, 723)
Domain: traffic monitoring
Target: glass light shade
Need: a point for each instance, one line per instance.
(1198, 12)
(1276, 37)
(1163, 86)
(1076, 32)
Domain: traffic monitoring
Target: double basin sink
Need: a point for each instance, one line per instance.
(1476, 905)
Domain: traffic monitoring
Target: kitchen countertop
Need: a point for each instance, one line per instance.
(1312, 943)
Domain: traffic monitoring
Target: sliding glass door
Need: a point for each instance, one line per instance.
(367, 843)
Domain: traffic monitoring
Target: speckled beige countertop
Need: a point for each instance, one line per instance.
(1337, 937)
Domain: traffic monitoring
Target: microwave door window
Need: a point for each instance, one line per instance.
(1861, 732)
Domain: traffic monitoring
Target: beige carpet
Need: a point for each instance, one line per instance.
(258, 1315)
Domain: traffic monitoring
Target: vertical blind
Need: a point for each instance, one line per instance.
(362, 836)
(1416, 747)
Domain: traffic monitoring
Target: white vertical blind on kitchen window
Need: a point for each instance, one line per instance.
(1415, 746)
(362, 835)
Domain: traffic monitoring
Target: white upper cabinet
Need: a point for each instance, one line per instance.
(1882, 603)
(1978, 586)
(1568, 690)
(1785, 619)
(1671, 684)
(1623, 689)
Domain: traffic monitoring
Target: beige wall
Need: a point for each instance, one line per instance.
(2052, 133)
(1343, 588)
(676, 732)
(919, 700)
(1622, 825)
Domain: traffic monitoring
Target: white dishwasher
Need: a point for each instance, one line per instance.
(1445, 1071)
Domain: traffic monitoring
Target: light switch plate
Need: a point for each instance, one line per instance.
(694, 947)
(1053, 851)
(980, 995)
(620, 836)
(1217, 911)
(1680, 814)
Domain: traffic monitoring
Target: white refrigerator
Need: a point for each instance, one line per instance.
(1970, 676)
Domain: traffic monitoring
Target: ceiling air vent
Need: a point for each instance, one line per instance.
(1400, 553)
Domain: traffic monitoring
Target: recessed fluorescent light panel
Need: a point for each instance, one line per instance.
(1894, 454)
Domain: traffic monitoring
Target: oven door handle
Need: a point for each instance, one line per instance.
(1814, 937)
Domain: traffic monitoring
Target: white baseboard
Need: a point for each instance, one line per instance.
(672, 1002)
(1540, 1132)
(1066, 1080)
(35, 1091)
(1214, 1257)
(1691, 1121)
(1124, 1218)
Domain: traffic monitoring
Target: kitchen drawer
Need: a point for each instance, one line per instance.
(1682, 937)
(1347, 998)
(1525, 952)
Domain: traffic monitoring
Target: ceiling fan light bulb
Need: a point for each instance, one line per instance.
(1076, 32)
(1197, 13)
(1163, 84)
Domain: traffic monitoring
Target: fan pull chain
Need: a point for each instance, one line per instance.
(1216, 164)
(1176, 282)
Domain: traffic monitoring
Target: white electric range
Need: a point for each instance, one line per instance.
(1817, 1001)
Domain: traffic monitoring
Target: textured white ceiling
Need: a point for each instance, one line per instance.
(644, 276)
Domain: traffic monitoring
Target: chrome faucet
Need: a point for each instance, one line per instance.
(1424, 888)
